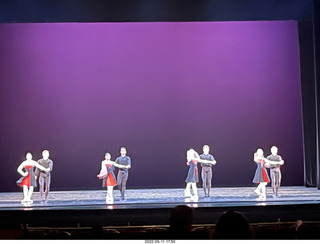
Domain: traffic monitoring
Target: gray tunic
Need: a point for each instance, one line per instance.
(123, 161)
(46, 164)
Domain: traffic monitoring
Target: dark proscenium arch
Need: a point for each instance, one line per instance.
(306, 12)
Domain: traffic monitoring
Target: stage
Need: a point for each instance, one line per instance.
(153, 206)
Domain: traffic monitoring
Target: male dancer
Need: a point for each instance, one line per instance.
(206, 172)
(44, 177)
(123, 172)
(275, 161)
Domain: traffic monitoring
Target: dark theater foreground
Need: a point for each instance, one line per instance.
(119, 92)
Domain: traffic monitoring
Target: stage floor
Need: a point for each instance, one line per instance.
(153, 207)
(161, 198)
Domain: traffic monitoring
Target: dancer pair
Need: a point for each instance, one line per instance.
(192, 178)
(261, 177)
(32, 170)
(107, 174)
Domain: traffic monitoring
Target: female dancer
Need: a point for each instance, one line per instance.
(261, 177)
(107, 174)
(28, 179)
(192, 178)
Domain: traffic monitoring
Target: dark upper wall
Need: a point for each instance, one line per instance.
(13, 11)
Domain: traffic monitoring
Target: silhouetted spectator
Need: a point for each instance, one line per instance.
(307, 231)
(181, 220)
(232, 225)
(291, 232)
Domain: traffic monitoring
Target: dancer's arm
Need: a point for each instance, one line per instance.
(203, 160)
(50, 166)
(41, 167)
(261, 160)
(207, 161)
(281, 162)
(103, 166)
(120, 166)
(194, 157)
(37, 171)
(256, 158)
(19, 169)
(103, 171)
(129, 163)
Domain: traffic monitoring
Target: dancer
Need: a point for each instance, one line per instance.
(44, 176)
(28, 180)
(275, 161)
(261, 176)
(123, 173)
(192, 178)
(206, 172)
(107, 174)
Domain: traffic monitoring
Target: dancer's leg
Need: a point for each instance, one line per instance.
(194, 189)
(110, 191)
(204, 181)
(209, 178)
(273, 180)
(124, 184)
(47, 188)
(25, 193)
(187, 192)
(263, 189)
(30, 193)
(119, 181)
(258, 189)
(278, 182)
(41, 187)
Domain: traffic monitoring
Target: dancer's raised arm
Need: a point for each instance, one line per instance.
(103, 166)
(192, 155)
(257, 158)
(103, 171)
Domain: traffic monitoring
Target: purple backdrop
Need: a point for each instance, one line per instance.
(81, 89)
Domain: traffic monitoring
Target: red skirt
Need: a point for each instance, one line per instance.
(26, 181)
(110, 181)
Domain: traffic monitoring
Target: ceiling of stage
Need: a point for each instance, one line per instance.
(15, 11)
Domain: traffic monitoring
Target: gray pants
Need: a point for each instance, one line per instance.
(206, 175)
(44, 185)
(275, 175)
(122, 181)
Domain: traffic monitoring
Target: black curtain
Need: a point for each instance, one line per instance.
(309, 38)
(308, 101)
(316, 36)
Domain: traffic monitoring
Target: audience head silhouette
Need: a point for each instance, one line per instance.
(181, 219)
(232, 225)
